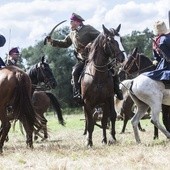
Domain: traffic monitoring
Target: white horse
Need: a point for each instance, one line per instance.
(147, 92)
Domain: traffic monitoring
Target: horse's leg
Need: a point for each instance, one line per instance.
(85, 128)
(104, 122)
(156, 134)
(44, 124)
(156, 109)
(5, 126)
(166, 116)
(125, 120)
(142, 108)
(90, 124)
(112, 116)
(29, 132)
(140, 127)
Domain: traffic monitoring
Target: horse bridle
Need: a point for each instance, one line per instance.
(113, 61)
(136, 60)
(40, 72)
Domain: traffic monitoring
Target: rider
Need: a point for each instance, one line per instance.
(2, 43)
(13, 56)
(80, 36)
(161, 53)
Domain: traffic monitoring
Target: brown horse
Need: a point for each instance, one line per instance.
(97, 82)
(42, 101)
(15, 90)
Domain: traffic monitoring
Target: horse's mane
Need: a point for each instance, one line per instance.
(145, 57)
(98, 42)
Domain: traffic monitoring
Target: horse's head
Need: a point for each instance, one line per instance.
(45, 74)
(131, 65)
(114, 46)
(42, 73)
(138, 63)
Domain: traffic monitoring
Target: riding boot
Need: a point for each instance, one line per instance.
(76, 90)
(117, 90)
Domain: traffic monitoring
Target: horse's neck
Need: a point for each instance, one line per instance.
(33, 75)
(146, 65)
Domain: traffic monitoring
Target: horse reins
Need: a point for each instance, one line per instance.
(109, 63)
(136, 60)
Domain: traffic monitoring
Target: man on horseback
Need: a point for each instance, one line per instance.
(161, 53)
(13, 57)
(80, 36)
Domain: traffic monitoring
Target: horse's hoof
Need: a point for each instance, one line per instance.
(142, 130)
(111, 141)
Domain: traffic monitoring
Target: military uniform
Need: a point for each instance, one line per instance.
(12, 60)
(162, 72)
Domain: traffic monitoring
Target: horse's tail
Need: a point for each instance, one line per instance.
(57, 107)
(22, 105)
(125, 86)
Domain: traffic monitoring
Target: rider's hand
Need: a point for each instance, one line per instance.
(48, 40)
(155, 62)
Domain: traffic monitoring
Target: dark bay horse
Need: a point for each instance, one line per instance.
(148, 93)
(40, 74)
(42, 100)
(15, 90)
(97, 82)
(137, 63)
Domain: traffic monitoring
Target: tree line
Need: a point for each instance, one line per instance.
(62, 60)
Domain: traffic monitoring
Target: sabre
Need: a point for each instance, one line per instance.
(51, 32)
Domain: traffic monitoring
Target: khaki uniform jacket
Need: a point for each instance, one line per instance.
(79, 39)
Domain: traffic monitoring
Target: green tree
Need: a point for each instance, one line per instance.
(142, 40)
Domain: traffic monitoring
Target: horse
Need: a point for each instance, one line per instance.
(42, 73)
(42, 100)
(147, 93)
(15, 90)
(137, 63)
(97, 82)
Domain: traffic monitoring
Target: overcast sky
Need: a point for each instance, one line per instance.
(24, 22)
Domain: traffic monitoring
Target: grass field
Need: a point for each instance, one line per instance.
(66, 150)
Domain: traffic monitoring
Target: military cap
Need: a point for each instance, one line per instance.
(14, 50)
(76, 17)
(2, 40)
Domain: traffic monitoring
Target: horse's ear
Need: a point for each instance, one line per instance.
(118, 28)
(134, 52)
(43, 59)
(105, 30)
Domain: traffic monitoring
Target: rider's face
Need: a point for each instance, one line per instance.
(73, 25)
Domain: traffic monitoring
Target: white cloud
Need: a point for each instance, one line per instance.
(30, 20)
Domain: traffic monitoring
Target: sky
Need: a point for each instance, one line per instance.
(24, 22)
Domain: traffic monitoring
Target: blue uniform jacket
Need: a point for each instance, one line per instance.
(162, 72)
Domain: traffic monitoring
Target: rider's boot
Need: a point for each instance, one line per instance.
(117, 90)
(76, 92)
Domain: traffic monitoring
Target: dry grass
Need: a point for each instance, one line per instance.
(66, 150)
